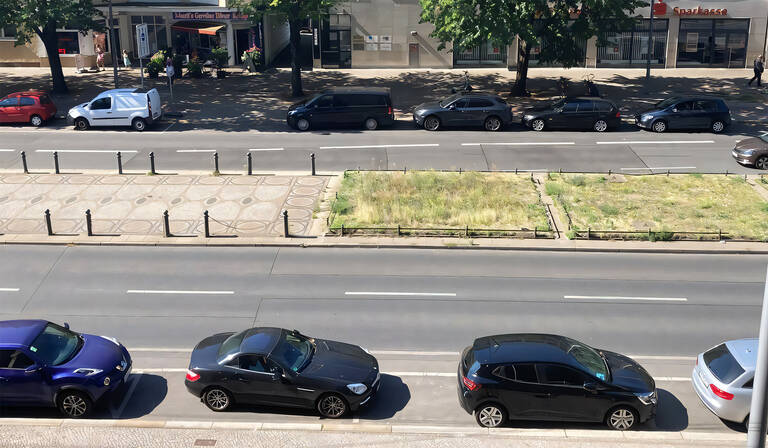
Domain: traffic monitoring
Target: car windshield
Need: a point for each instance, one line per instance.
(231, 345)
(722, 364)
(293, 351)
(590, 359)
(311, 100)
(56, 345)
(449, 100)
(666, 103)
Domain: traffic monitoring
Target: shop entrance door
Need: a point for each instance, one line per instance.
(413, 55)
(336, 43)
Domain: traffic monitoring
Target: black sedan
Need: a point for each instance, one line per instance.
(574, 114)
(464, 109)
(550, 377)
(273, 366)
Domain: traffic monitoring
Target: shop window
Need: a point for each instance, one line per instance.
(713, 43)
(69, 42)
(8, 32)
(630, 48)
(156, 30)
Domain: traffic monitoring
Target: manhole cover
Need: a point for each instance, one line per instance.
(141, 200)
(71, 200)
(176, 201)
(246, 201)
(205, 442)
(210, 201)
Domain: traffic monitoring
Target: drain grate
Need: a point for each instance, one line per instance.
(205, 442)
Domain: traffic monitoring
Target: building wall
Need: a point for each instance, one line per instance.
(23, 55)
(276, 37)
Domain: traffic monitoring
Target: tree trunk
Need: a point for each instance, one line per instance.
(295, 27)
(520, 88)
(51, 43)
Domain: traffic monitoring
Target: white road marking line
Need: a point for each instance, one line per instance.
(162, 291)
(7, 150)
(658, 299)
(9, 289)
(650, 142)
(663, 357)
(90, 151)
(373, 293)
(265, 149)
(160, 349)
(159, 370)
(117, 412)
(680, 379)
(195, 150)
(519, 144)
(419, 145)
(660, 168)
(411, 353)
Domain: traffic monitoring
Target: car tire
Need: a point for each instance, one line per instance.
(621, 418)
(332, 406)
(36, 120)
(717, 126)
(74, 404)
(600, 126)
(537, 125)
(659, 126)
(217, 399)
(490, 415)
(139, 125)
(762, 163)
(371, 124)
(493, 124)
(432, 123)
(302, 124)
(81, 124)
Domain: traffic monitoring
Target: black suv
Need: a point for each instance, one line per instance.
(369, 108)
(550, 377)
(574, 113)
(686, 113)
(464, 109)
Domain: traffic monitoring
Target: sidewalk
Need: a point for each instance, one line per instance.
(247, 102)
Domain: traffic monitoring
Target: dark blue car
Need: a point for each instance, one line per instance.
(44, 364)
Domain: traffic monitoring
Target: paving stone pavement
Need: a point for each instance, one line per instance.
(134, 204)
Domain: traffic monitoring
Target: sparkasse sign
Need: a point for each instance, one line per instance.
(208, 15)
(699, 11)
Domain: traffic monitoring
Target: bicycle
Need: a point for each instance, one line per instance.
(466, 87)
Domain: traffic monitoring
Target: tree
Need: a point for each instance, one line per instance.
(558, 27)
(295, 12)
(42, 18)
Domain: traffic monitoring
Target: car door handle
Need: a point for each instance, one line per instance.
(543, 395)
(242, 379)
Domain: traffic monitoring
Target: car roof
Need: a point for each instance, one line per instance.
(117, 92)
(524, 347)
(744, 351)
(28, 93)
(370, 90)
(260, 340)
(698, 97)
(20, 332)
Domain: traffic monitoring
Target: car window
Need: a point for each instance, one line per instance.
(685, 106)
(586, 106)
(26, 101)
(480, 102)
(56, 345)
(102, 103)
(602, 106)
(231, 345)
(254, 363)
(9, 102)
(722, 364)
(324, 101)
(461, 103)
(571, 107)
(45, 99)
(525, 372)
(748, 384)
(505, 372)
(556, 374)
(340, 100)
(14, 359)
(293, 351)
(708, 106)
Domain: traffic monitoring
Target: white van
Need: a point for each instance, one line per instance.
(118, 107)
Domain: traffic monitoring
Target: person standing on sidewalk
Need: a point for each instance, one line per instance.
(169, 71)
(99, 58)
(126, 60)
(758, 67)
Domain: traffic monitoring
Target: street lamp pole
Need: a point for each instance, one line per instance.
(758, 419)
(650, 46)
(112, 44)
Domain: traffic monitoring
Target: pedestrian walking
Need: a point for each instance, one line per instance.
(758, 67)
(169, 71)
(126, 60)
(99, 58)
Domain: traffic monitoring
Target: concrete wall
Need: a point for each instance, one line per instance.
(21, 56)
(276, 37)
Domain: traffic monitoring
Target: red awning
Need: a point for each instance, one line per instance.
(210, 30)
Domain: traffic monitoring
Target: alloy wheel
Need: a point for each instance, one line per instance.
(217, 399)
(74, 405)
(139, 124)
(762, 163)
(537, 125)
(492, 124)
(490, 416)
(659, 126)
(302, 124)
(621, 419)
(601, 126)
(332, 406)
(431, 123)
(36, 120)
(718, 127)
(371, 124)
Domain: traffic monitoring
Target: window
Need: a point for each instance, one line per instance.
(602, 106)
(479, 102)
(685, 106)
(462, 103)
(254, 363)
(69, 42)
(708, 106)
(712, 43)
(56, 345)
(293, 351)
(571, 107)
(555, 374)
(586, 106)
(505, 372)
(722, 364)
(231, 345)
(14, 359)
(629, 48)
(324, 101)
(8, 32)
(26, 101)
(156, 29)
(9, 102)
(102, 103)
(525, 372)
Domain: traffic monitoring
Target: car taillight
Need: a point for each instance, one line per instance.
(192, 376)
(721, 393)
(618, 114)
(471, 385)
(389, 110)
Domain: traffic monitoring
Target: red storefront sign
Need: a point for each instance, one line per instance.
(699, 11)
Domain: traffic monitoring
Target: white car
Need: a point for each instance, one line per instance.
(118, 107)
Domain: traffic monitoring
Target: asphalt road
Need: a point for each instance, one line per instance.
(415, 309)
(629, 150)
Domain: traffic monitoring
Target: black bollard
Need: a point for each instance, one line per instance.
(166, 224)
(205, 223)
(88, 223)
(119, 163)
(312, 156)
(152, 163)
(48, 222)
(215, 162)
(285, 223)
(24, 162)
(249, 162)
(56, 162)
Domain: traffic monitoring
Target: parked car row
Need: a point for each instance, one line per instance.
(500, 378)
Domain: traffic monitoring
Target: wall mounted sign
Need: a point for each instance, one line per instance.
(699, 11)
(209, 15)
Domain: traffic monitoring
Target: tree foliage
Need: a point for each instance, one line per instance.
(558, 27)
(42, 18)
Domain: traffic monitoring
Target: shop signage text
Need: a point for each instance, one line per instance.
(212, 15)
(699, 11)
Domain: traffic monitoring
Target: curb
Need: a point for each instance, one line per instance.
(374, 428)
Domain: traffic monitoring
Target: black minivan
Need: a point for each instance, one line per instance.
(367, 107)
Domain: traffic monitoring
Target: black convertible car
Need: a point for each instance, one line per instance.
(274, 366)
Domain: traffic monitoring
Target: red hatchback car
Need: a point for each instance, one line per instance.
(34, 107)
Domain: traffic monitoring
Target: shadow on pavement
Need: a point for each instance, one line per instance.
(671, 415)
(391, 398)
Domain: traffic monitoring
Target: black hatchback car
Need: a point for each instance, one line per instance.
(369, 108)
(574, 113)
(273, 366)
(467, 109)
(550, 377)
(686, 113)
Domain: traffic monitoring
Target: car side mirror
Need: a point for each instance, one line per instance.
(452, 107)
(66, 325)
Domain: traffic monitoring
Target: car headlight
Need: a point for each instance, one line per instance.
(528, 117)
(746, 152)
(357, 388)
(87, 371)
(646, 117)
(647, 398)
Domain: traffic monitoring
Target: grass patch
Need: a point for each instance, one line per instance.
(664, 204)
(429, 199)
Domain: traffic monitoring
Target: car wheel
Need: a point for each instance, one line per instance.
(537, 125)
(36, 121)
(217, 399)
(762, 163)
(621, 418)
(81, 124)
(139, 124)
(332, 406)
(302, 124)
(718, 127)
(432, 123)
(490, 415)
(371, 124)
(600, 126)
(74, 404)
(492, 124)
(659, 126)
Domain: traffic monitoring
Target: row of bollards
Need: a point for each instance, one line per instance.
(152, 170)
(166, 223)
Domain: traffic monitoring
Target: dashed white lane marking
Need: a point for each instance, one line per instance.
(663, 357)
(9, 289)
(660, 168)
(7, 150)
(265, 149)
(519, 144)
(89, 151)
(651, 299)
(418, 145)
(411, 353)
(195, 150)
(649, 142)
(166, 291)
(385, 293)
